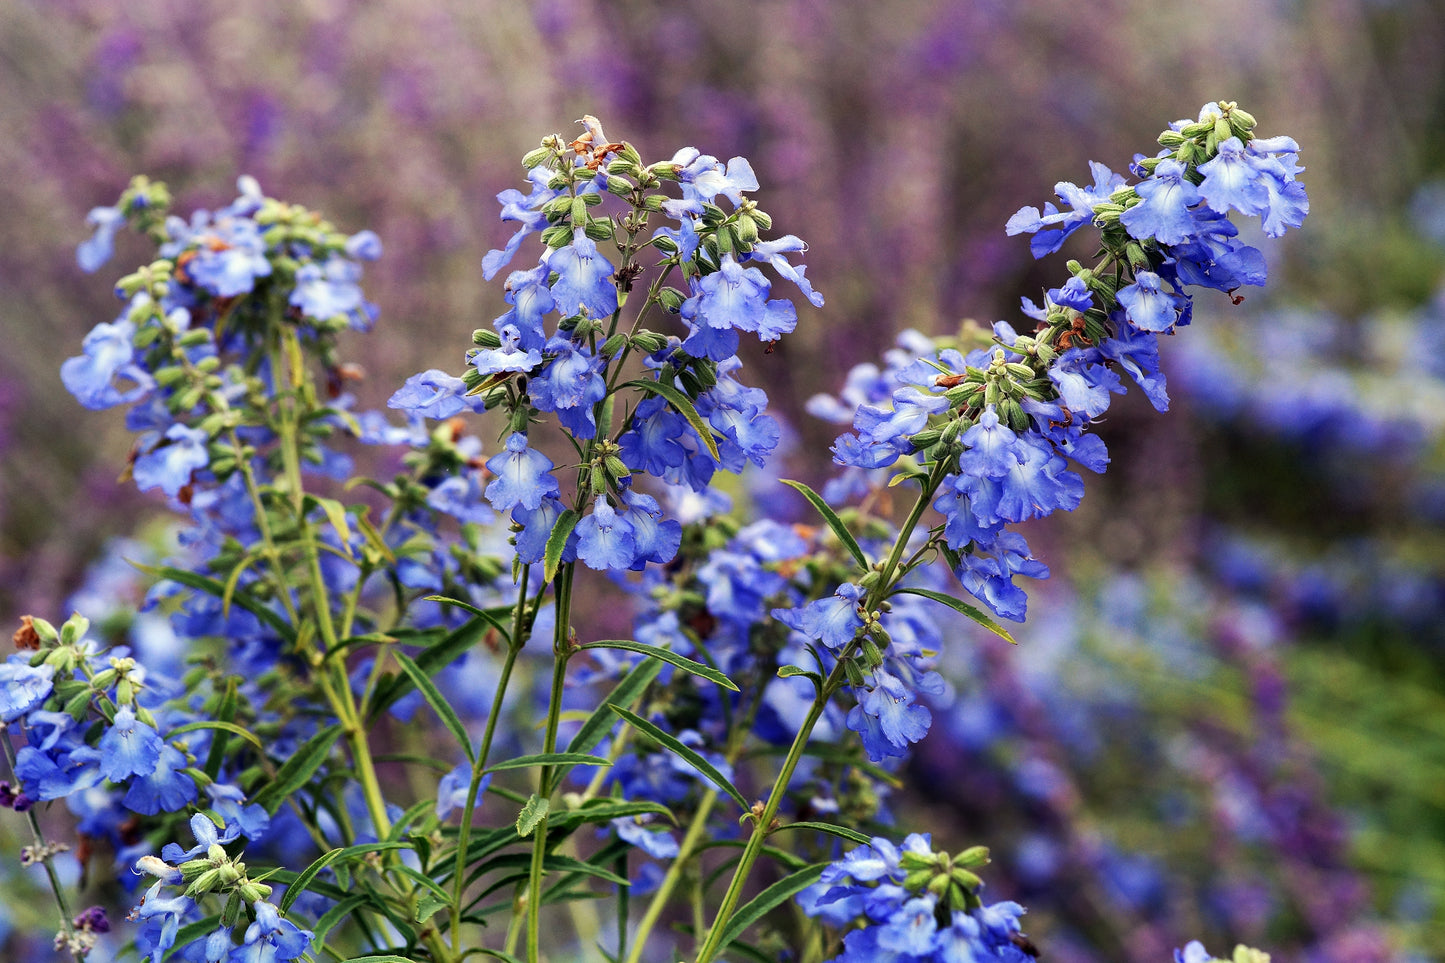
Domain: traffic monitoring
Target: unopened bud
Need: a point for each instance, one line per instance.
(486, 338)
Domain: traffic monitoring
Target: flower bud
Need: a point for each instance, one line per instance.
(557, 236)
(486, 338)
(535, 157)
(649, 342)
(973, 857)
(600, 229)
(615, 468)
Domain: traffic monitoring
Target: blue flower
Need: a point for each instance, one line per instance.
(1163, 213)
(453, 788)
(584, 279)
(1232, 178)
(109, 354)
(324, 291)
(523, 476)
(773, 251)
(605, 539)
(1149, 307)
(229, 258)
(23, 687)
(435, 394)
(168, 466)
(95, 250)
(570, 385)
(164, 789)
(270, 938)
(129, 747)
(525, 209)
(1052, 227)
(1084, 385)
(834, 620)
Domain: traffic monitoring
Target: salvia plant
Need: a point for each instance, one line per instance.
(396, 728)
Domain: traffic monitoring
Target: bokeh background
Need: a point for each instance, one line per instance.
(1226, 716)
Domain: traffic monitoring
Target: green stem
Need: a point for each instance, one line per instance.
(514, 648)
(834, 681)
(561, 645)
(56, 887)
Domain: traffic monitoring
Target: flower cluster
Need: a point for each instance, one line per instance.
(1000, 423)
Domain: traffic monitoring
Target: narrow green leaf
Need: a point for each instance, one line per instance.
(691, 755)
(602, 811)
(531, 815)
(834, 522)
(212, 587)
(233, 580)
(383, 958)
(557, 542)
(490, 616)
(595, 729)
(667, 655)
(438, 702)
(683, 404)
(962, 607)
(230, 727)
(843, 832)
(298, 886)
(769, 900)
(431, 659)
(335, 915)
(298, 770)
(550, 759)
(336, 515)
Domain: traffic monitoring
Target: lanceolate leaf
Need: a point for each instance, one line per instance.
(963, 607)
(213, 587)
(557, 543)
(444, 652)
(683, 405)
(549, 759)
(834, 522)
(300, 884)
(843, 832)
(651, 651)
(595, 729)
(531, 815)
(438, 702)
(691, 755)
(769, 900)
(299, 769)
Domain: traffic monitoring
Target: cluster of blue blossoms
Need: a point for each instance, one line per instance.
(277, 586)
(916, 906)
(1005, 419)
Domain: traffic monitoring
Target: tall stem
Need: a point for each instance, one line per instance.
(56, 887)
(888, 576)
(561, 646)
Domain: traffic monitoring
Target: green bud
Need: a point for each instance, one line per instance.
(231, 915)
(194, 867)
(926, 438)
(77, 705)
(535, 157)
(671, 299)
(869, 580)
(649, 341)
(45, 630)
(124, 692)
(486, 338)
(872, 655)
(938, 885)
(208, 364)
(615, 467)
(104, 678)
(918, 879)
(653, 202)
(204, 883)
(762, 219)
(855, 675)
(666, 170)
(969, 881)
(557, 236)
(250, 892)
(614, 344)
(973, 857)
(1241, 122)
(74, 629)
(600, 229)
(1011, 413)
(910, 860)
(194, 338)
(1171, 138)
(747, 230)
(578, 211)
(992, 394)
(599, 479)
(1245, 954)
(1019, 370)
(619, 185)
